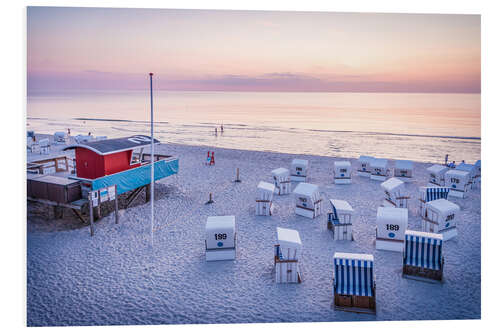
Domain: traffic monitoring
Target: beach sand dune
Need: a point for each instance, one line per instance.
(117, 278)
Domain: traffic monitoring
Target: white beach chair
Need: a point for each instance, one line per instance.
(395, 193)
(441, 217)
(308, 202)
(390, 228)
(282, 182)
(403, 170)
(286, 256)
(379, 168)
(61, 138)
(220, 241)
(364, 166)
(340, 220)
(264, 199)
(436, 174)
(342, 171)
(299, 170)
(44, 146)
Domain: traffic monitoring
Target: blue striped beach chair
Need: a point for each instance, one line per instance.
(428, 194)
(423, 256)
(354, 283)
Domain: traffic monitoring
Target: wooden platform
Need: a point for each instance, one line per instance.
(76, 206)
(355, 309)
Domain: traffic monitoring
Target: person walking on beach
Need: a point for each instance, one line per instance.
(216, 130)
(222, 128)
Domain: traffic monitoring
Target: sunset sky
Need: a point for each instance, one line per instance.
(96, 48)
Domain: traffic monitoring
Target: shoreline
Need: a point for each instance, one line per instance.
(353, 160)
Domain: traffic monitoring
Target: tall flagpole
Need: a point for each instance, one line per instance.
(152, 187)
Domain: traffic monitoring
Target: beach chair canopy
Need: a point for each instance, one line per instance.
(470, 168)
(281, 173)
(365, 159)
(44, 142)
(342, 164)
(341, 207)
(353, 274)
(461, 174)
(423, 249)
(392, 184)
(478, 164)
(404, 164)
(443, 207)
(392, 215)
(300, 163)
(288, 238)
(437, 169)
(307, 190)
(265, 191)
(379, 163)
(289, 244)
(434, 193)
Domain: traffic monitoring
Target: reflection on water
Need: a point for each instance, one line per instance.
(421, 127)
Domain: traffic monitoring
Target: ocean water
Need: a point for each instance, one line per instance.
(421, 127)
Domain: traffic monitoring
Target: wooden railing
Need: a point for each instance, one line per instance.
(59, 164)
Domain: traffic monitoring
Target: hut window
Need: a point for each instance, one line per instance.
(136, 156)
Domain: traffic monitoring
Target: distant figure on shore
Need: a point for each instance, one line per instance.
(446, 160)
(222, 128)
(90, 133)
(452, 165)
(69, 132)
(215, 130)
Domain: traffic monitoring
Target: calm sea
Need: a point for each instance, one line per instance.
(422, 127)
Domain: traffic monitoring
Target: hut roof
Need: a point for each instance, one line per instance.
(111, 146)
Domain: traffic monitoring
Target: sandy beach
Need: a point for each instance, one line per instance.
(117, 278)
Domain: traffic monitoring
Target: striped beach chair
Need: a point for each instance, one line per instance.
(423, 256)
(428, 194)
(354, 282)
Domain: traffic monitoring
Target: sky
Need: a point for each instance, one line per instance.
(215, 50)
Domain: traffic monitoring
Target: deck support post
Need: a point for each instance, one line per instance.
(116, 205)
(91, 212)
(148, 192)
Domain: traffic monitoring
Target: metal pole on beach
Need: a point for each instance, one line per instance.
(152, 160)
